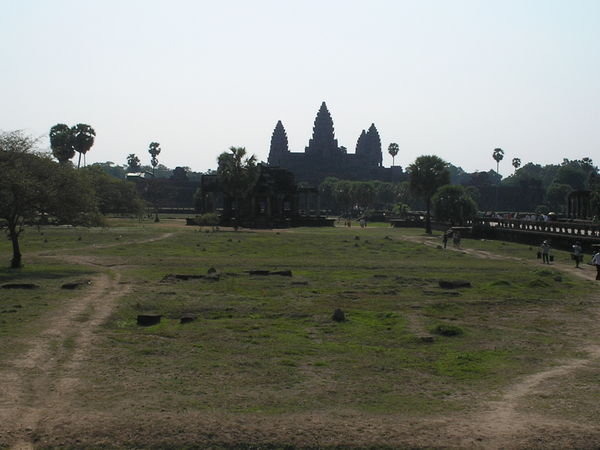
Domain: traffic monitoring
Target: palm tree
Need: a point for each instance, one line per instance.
(154, 150)
(83, 138)
(61, 143)
(393, 150)
(427, 174)
(237, 174)
(516, 162)
(133, 163)
(498, 156)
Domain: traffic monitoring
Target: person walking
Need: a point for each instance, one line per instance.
(577, 254)
(596, 262)
(445, 238)
(545, 249)
(456, 238)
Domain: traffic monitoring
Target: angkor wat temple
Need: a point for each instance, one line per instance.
(324, 157)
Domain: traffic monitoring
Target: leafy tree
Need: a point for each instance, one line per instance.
(498, 156)
(480, 179)
(458, 175)
(61, 143)
(344, 196)
(572, 175)
(427, 174)
(385, 194)
(516, 162)
(363, 194)
(113, 195)
(237, 174)
(32, 185)
(154, 150)
(404, 194)
(474, 193)
(393, 150)
(82, 136)
(160, 171)
(454, 204)
(112, 169)
(556, 196)
(180, 173)
(133, 163)
(327, 191)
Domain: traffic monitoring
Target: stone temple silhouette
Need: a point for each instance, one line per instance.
(323, 157)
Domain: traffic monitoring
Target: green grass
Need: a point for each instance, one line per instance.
(268, 345)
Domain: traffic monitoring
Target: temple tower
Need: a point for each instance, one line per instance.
(374, 146)
(323, 142)
(279, 145)
(368, 147)
(361, 145)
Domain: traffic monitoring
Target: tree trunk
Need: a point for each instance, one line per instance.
(428, 217)
(237, 213)
(79, 160)
(15, 263)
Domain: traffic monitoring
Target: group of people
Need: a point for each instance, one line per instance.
(362, 221)
(576, 255)
(455, 234)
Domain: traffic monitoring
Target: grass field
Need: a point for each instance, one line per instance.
(263, 347)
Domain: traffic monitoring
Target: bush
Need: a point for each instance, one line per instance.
(208, 219)
(400, 209)
(447, 330)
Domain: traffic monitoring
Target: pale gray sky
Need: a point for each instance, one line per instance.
(455, 78)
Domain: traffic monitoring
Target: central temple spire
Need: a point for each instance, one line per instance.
(323, 142)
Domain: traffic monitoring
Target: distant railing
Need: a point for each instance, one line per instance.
(575, 229)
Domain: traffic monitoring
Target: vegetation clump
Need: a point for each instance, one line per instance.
(447, 330)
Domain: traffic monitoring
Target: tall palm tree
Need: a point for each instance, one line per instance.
(427, 174)
(516, 162)
(393, 150)
(498, 156)
(154, 150)
(83, 138)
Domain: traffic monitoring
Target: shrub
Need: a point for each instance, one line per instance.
(208, 219)
(447, 330)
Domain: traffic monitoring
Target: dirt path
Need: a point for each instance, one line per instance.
(37, 385)
(500, 424)
(585, 272)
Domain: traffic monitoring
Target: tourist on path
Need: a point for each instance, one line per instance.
(577, 253)
(456, 239)
(545, 249)
(445, 238)
(596, 262)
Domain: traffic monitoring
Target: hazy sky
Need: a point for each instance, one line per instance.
(455, 78)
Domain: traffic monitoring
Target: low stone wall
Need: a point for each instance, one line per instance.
(533, 237)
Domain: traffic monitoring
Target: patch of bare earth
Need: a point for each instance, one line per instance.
(36, 385)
